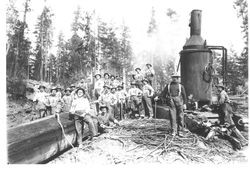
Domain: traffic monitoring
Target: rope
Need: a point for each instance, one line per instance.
(59, 121)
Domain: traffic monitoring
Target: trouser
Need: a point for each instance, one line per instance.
(121, 110)
(114, 110)
(176, 114)
(97, 104)
(225, 116)
(147, 104)
(42, 113)
(137, 105)
(79, 125)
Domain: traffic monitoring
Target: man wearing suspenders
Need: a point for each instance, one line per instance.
(175, 96)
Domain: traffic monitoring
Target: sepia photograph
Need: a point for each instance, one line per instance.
(126, 82)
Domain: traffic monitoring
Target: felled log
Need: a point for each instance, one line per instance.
(40, 140)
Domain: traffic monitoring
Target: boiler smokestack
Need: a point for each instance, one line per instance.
(195, 22)
(195, 41)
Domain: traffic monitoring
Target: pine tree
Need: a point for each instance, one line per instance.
(43, 44)
(18, 45)
(241, 7)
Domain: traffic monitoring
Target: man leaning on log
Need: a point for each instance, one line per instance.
(175, 96)
(225, 113)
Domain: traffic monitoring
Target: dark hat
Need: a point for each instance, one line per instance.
(148, 64)
(80, 89)
(137, 69)
(112, 76)
(41, 86)
(106, 74)
(72, 85)
(97, 75)
(104, 106)
(113, 87)
(53, 88)
(175, 75)
(120, 86)
(220, 85)
(67, 89)
(106, 86)
(145, 80)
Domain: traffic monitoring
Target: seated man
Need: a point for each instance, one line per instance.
(191, 103)
(225, 113)
(81, 109)
(105, 119)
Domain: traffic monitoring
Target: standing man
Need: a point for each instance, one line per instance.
(149, 73)
(138, 78)
(225, 113)
(106, 79)
(41, 101)
(134, 95)
(98, 88)
(55, 102)
(121, 103)
(175, 96)
(67, 100)
(147, 92)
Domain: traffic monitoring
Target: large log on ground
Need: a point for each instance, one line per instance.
(40, 140)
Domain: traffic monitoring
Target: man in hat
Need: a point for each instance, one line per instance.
(112, 80)
(147, 92)
(104, 98)
(59, 91)
(113, 102)
(73, 90)
(41, 101)
(67, 100)
(106, 79)
(138, 78)
(134, 95)
(225, 113)
(121, 101)
(175, 96)
(149, 73)
(105, 119)
(55, 102)
(80, 109)
(98, 88)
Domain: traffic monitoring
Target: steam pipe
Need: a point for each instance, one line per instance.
(224, 60)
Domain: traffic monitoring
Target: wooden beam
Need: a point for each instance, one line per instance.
(39, 140)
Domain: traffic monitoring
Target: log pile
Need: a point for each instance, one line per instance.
(140, 141)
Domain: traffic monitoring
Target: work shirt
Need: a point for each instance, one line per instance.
(99, 86)
(55, 102)
(80, 104)
(116, 83)
(67, 101)
(113, 98)
(147, 90)
(134, 92)
(107, 82)
(138, 77)
(149, 73)
(121, 95)
(174, 90)
(105, 98)
(59, 94)
(223, 97)
(42, 99)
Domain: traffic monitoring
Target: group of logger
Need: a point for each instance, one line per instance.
(112, 103)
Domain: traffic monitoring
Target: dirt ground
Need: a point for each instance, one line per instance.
(149, 141)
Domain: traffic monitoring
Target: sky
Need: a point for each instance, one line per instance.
(220, 25)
